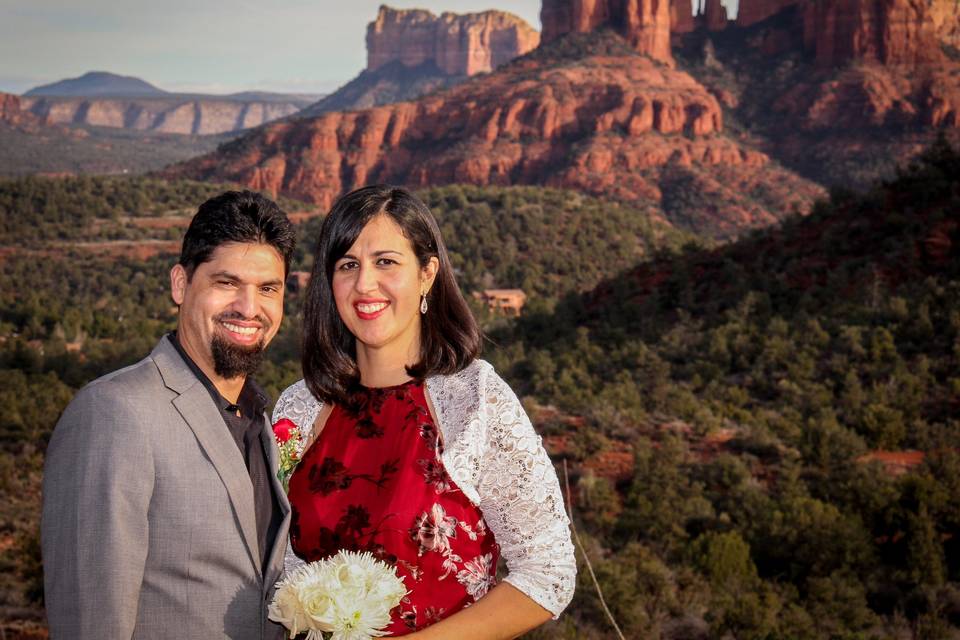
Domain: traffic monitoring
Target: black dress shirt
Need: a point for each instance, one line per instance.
(245, 421)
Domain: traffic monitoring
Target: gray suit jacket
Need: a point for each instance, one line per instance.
(148, 527)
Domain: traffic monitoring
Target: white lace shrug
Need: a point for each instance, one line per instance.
(495, 457)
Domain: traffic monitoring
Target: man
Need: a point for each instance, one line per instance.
(162, 513)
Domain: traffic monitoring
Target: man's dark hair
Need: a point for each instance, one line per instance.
(449, 336)
(236, 216)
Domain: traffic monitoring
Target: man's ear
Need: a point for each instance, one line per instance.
(178, 283)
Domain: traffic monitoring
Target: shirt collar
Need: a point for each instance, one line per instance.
(252, 400)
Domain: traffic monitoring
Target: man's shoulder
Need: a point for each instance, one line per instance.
(134, 383)
(117, 407)
(135, 376)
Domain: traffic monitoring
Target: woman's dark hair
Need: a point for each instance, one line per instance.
(236, 216)
(449, 336)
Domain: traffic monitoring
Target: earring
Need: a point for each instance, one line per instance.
(423, 303)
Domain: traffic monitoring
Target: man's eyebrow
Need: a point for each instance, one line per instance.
(226, 275)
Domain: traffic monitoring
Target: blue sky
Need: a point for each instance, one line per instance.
(216, 46)
(208, 46)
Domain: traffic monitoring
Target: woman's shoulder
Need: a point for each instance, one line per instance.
(298, 404)
(470, 391)
(478, 370)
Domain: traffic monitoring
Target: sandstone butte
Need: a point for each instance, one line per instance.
(464, 44)
(645, 24)
(205, 115)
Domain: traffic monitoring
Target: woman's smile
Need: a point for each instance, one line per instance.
(370, 309)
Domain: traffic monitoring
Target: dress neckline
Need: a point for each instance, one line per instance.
(392, 387)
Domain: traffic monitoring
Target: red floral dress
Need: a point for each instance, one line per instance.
(374, 481)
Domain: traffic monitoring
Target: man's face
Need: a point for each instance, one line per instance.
(231, 308)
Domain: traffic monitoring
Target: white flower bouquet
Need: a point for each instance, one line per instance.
(348, 596)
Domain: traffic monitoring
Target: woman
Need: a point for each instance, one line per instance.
(415, 449)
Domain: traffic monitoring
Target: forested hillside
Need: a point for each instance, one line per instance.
(761, 437)
(790, 408)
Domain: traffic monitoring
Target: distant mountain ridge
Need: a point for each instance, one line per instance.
(98, 83)
(169, 113)
(103, 99)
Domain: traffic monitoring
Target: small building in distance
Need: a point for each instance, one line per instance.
(506, 301)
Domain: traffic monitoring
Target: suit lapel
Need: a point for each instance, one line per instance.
(278, 547)
(203, 417)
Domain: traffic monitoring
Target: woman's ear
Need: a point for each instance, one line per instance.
(428, 274)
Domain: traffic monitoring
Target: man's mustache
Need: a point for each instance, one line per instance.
(234, 315)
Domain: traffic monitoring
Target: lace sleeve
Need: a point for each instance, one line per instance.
(521, 501)
(297, 404)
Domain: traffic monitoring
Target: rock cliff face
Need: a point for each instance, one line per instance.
(681, 17)
(874, 95)
(946, 21)
(456, 44)
(161, 115)
(644, 23)
(897, 32)
(892, 32)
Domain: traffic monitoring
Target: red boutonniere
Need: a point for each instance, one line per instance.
(289, 440)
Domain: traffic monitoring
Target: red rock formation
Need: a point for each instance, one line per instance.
(457, 44)
(751, 12)
(13, 114)
(874, 95)
(644, 23)
(559, 17)
(681, 17)
(605, 125)
(888, 31)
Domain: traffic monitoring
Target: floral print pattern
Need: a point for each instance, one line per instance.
(374, 481)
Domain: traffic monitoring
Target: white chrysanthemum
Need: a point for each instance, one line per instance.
(349, 596)
(287, 610)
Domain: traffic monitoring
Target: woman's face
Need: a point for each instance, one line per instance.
(377, 286)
